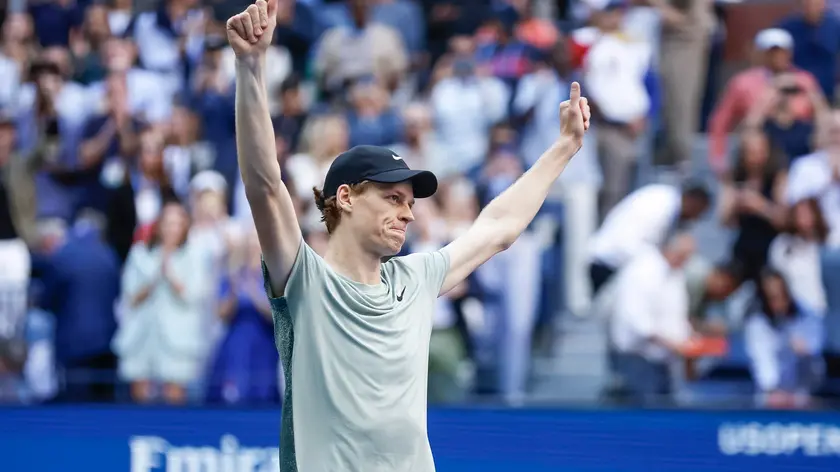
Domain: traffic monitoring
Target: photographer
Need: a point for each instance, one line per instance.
(776, 74)
(776, 115)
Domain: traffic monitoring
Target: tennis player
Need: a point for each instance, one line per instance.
(353, 332)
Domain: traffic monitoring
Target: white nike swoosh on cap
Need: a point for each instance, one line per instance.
(396, 157)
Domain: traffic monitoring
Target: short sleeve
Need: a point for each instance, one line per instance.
(307, 270)
(432, 267)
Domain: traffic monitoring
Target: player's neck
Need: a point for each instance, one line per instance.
(350, 260)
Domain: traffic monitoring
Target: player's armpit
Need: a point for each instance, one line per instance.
(278, 231)
(475, 247)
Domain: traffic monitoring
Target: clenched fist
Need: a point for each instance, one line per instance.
(249, 33)
(574, 115)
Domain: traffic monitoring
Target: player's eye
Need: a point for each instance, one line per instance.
(394, 198)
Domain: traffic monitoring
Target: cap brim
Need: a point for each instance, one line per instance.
(424, 182)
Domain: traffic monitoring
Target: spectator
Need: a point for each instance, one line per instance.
(168, 41)
(16, 217)
(752, 201)
(420, 148)
(649, 325)
(147, 97)
(796, 254)
(687, 26)
(160, 337)
(323, 139)
(784, 339)
(40, 382)
(297, 30)
(109, 138)
(615, 72)
(12, 361)
(512, 280)
(406, 17)
(500, 53)
(708, 287)
(212, 99)
(119, 16)
(16, 50)
(371, 120)
(644, 219)
(289, 123)
(447, 349)
(816, 36)
(774, 115)
(152, 185)
(86, 47)
(215, 234)
(80, 274)
(465, 106)
(816, 176)
(448, 19)
(18, 199)
(243, 371)
(538, 32)
(54, 20)
(182, 156)
(50, 98)
(746, 90)
(366, 49)
(459, 206)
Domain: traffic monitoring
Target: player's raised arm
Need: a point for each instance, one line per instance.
(507, 216)
(249, 34)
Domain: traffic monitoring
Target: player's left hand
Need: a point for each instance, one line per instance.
(574, 115)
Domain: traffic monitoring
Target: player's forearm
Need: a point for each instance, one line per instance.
(512, 211)
(254, 132)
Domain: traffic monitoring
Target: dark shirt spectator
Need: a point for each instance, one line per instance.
(816, 45)
(81, 277)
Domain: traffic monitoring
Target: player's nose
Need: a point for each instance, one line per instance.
(407, 215)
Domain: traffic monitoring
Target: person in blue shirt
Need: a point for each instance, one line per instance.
(81, 275)
(784, 339)
(816, 38)
(245, 367)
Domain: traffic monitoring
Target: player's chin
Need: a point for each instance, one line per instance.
(394, 242)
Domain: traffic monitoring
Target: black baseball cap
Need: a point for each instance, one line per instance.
(376, 164)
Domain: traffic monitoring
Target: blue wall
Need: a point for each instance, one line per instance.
(117, 439)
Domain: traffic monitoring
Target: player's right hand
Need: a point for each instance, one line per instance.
(249, 33)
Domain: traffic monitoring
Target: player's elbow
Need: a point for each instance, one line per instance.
(504, 241)
(262, 190)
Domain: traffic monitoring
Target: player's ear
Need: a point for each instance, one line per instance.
(342, 198)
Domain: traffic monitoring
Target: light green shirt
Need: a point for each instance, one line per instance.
(355, 358)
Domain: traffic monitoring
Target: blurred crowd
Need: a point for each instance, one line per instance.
(129, 266)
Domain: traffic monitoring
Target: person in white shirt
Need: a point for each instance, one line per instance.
(640, 221)
(817, 176)
(796, 254)
(784, 340)
(649, 325)
(616, 70)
